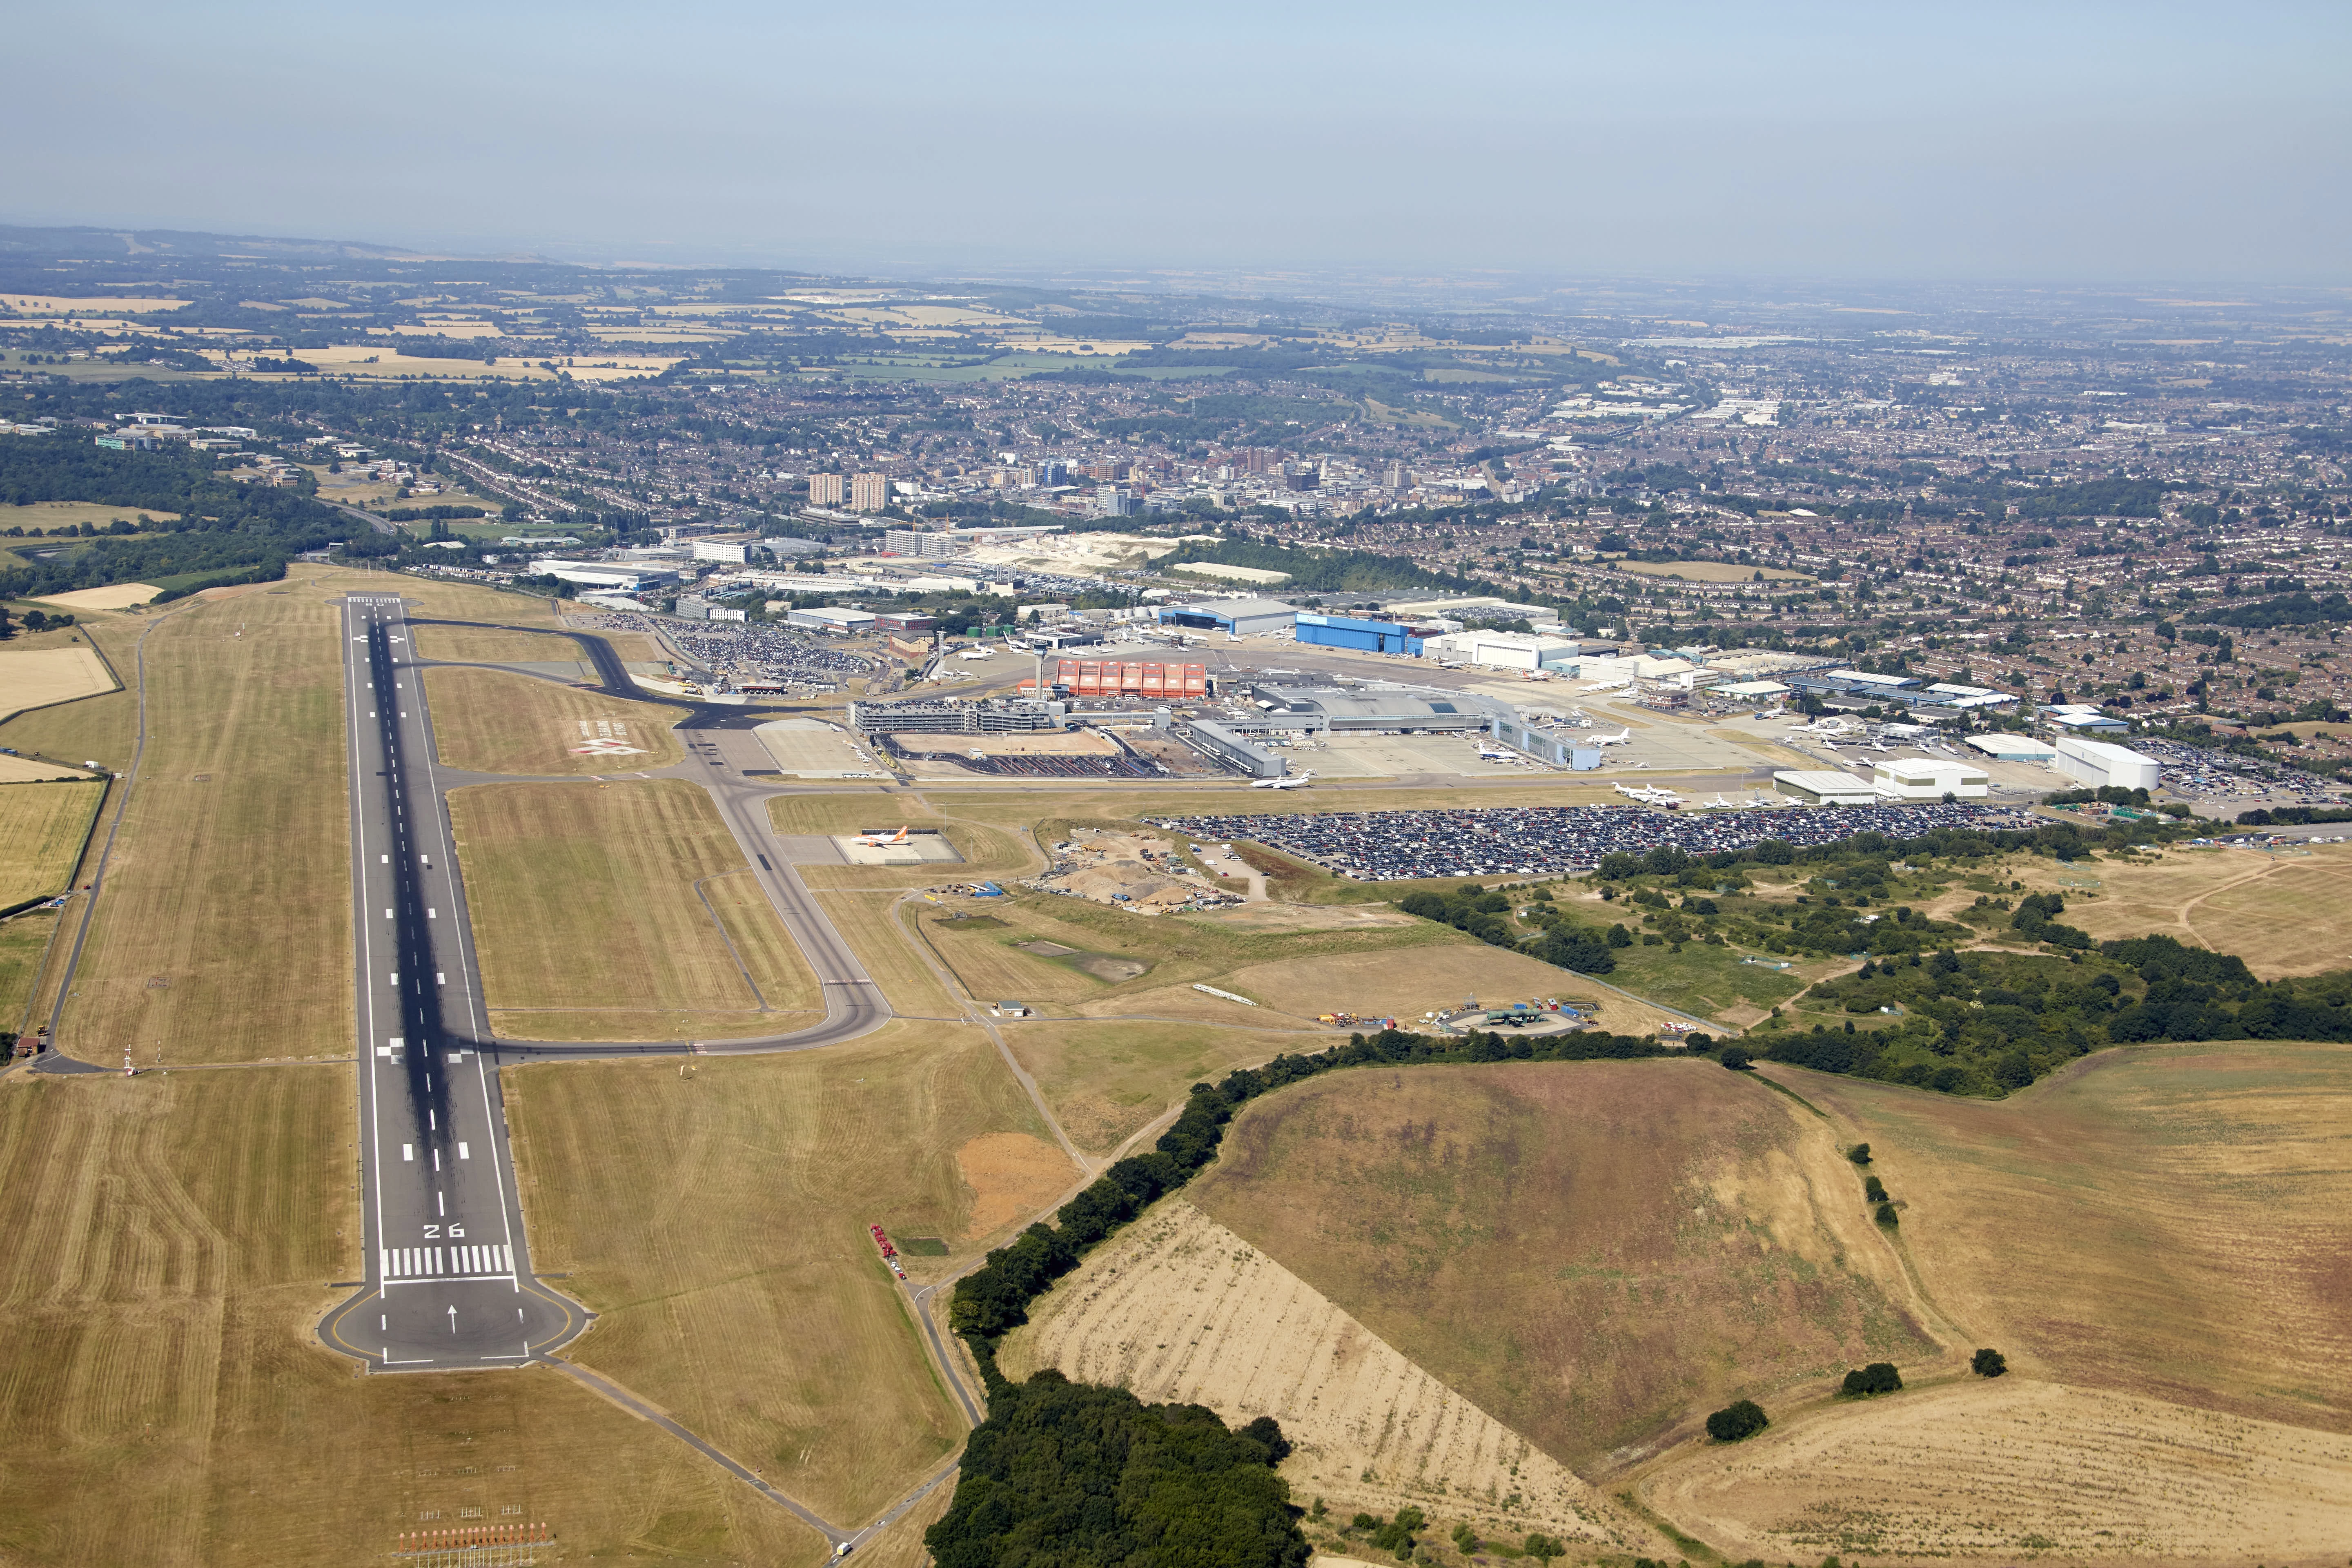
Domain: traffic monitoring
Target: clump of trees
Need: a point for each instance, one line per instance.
(1084, 1476)
(1737, 1422)
(1486, 915)
(1988, 1363)
(1398, 1535)
(1878, 1377)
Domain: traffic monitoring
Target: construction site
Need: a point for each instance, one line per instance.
(1131, 871)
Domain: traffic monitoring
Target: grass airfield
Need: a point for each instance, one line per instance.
(1585, 1256)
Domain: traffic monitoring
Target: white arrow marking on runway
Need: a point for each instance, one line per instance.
(453, 1319)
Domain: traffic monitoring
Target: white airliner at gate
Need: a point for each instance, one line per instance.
(492, 1260)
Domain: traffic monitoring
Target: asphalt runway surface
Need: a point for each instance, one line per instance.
(448, 1278)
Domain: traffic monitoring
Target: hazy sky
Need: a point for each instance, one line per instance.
(2049, 140)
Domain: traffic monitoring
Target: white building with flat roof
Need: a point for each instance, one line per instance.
(2102, 763)
(1825, 788)
(2007, 748)
(1928, 778)
(1502, 650)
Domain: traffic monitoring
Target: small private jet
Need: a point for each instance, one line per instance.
(1287, 780)
(878, 840)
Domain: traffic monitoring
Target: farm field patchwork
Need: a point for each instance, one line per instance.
(173, 1236)
(41, 830)
(590, 926)
(496, 721)
(1597, 1253)
(714, 1213)
(24, 941)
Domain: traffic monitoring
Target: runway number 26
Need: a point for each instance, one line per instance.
(455, 1232)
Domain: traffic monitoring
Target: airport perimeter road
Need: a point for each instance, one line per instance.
(449, 1277)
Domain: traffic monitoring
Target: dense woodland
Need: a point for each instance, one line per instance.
(225, 532)
(1068, 1475)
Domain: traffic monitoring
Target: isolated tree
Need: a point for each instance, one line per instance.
(1874, 1190)
(1859, 1153)
(1887, 1217)
(1988, 1363)
(1878, 1377)
(1543, 1547)
(1735, 1057)
(1737, 1421)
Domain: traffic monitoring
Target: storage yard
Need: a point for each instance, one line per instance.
(1549, 840)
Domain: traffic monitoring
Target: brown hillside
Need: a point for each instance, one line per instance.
(1597, 1252)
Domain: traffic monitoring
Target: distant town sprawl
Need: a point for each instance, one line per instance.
(2136, 506)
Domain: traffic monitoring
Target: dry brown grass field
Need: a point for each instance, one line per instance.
(2163, 1221)
(2155, 1239)
(2013, 1468)
(495, 722)
(714, 1215)
(224, 933)
(589, 926)
(41, 830)
(494, 644)
(1597, 1253)
(871, 924)
(837, 812)
(162, 1400)
(1179, 1309)
(1107, 1081)
(2288, 913)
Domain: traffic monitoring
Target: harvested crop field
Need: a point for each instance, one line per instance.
(621, 911)
(115, 597)
(1598, 1253)
(493, 721)
(2168, 1222)
(41, 831)
(1179, 1309)
(2284, 915)
(162, 1401)
(2016, 1469)
(714, 1215)
(36, 677)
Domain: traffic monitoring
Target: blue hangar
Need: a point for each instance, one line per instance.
(1370, 636)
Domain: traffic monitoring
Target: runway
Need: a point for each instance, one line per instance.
(448, 1271)
(448, 1278)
